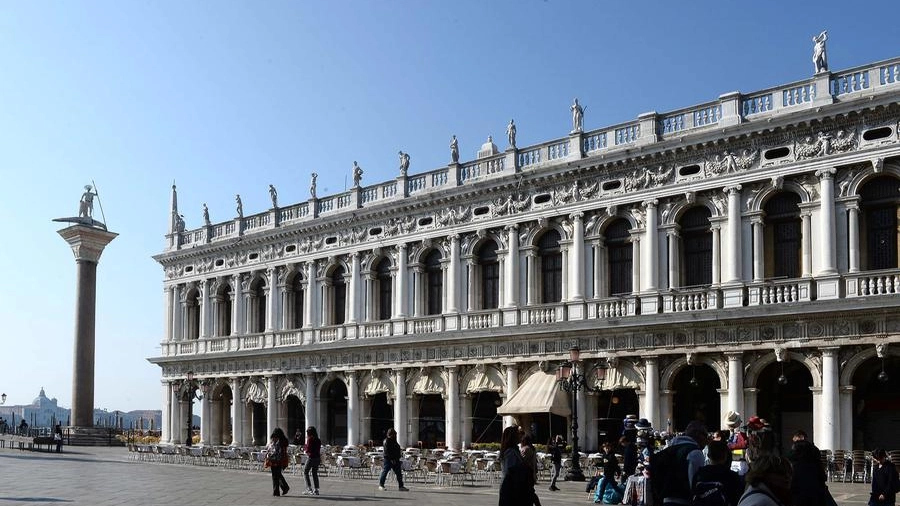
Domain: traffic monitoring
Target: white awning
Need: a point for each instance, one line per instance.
(538, 394)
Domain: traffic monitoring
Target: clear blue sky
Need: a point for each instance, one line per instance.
(227, 97)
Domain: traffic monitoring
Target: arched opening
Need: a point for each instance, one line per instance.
(612, 408)
(696, 397)
(619, 253)
(220, 415)
(381, 417)
(550, 261)
(696, 251)
(258, 296)
(295, 301)
(434, 283)
(488, 290)
(224, 301)
(876, 405)
(783, 236)
(192, 314)
(335, 430)
(338, 296)
(487, 425)
(296, 417)
(383, 289)
(432, 420)
(878, 223)
(258, 423)
(786, 404)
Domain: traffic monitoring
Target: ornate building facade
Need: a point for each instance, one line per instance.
(739, 255)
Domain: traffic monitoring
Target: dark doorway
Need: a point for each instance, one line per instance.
(612, 407)
(696, 397)
(335, 430)
(296, 417)
(876, 405)
(487, 425)
(381, 417)
(258, 412)
(787, 404)
(431, 420)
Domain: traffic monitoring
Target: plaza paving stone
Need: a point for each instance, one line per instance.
(106, 476)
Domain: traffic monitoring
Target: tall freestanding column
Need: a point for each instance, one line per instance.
(87, 244)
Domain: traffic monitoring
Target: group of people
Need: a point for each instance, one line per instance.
(519, 466)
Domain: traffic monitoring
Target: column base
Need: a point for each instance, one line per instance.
(90, 436)
(828, 286)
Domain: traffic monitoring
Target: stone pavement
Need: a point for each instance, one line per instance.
(106, 476)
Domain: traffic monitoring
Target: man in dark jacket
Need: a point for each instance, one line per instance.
(718, 472)
(392, 454)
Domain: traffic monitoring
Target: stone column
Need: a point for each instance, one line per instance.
(87, 244)
(846, 430)
(271, 406)
(651, 397)
(533, 271)
(735, 382)
(353, 295)
(566, 274)
(453, 276)
(419, 286)
(830, 416)
(271, 299)
(759, 255)
(732, 273)
(635, 265)
(828, 245)
(512, 267)
(853, 241)
(466, 415)
(237, 303)
(512, 384)
(237, 413)
(750, 400)
(310, 410)
(400, 413)
(806, 243)
(716, 254)
(576, 264)
(352, 409)
(205, 425)
(165, 428)
(371, 306)
(203, 300)
(175, 410)
(402, 283)
(599, 277)
(673, 258)
(473, 288)
(177, 313)
(169, 313)
(649, 265)
(310, 297)
(452, 426)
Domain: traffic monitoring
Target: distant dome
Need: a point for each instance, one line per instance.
(38, 400)
(488, 148)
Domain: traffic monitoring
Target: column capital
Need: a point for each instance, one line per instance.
(401, 246)
(513, 227)
(577, 216)
(734, 355)
(732, 190)
(827, 173)
(652, 203)
(831, 351)
(757, 220)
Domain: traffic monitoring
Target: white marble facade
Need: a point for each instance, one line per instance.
(722, 245)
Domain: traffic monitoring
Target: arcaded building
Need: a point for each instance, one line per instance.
(740, 254)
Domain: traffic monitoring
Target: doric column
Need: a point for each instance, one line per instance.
(205, 425)
(237, 413)
(175, 422)
(735, 382)
(759, 254)
(651, 396)
(419, 286)
(352, 409)
(453, 276)
(310, 297)
(532, 269)
(733, 269)
(576, 264)
(401, 286)
(672, 235)
(512, 267)
(830, 425)
(237, 304)
(853, 240)
(169, 313)
(271, 405)
(473, 288)
(310, 408)
(828, 245)
(512, 384)
(400, 413)
(452, 426)
(165, 428)
(353, 296)
(806, 243)
(271, 299)
(466, 415)
(649, 265)
(846, 410)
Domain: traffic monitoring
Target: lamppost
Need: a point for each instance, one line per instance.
(572, 382)
(3, 398)
(191, 393)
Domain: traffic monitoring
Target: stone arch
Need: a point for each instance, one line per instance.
(853, 186)
(483, 378)
(752, 372)
(329, 268)
(474, 246)
(601, 224)
(667, 378)
(427, 380)
(254, 390)
(683, 206)
(531, 239)
(421, 250)
(218, 388)
(621, 374)
(291, 385)
(376, 382)
(758, 203)
(293, 275)
(848, 369)
(372, 260)
(325, 380)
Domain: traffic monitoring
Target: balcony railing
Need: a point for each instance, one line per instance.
(780, 291)
(872, 283)
(690, 299)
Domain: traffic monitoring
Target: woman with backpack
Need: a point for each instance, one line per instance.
(277, 459)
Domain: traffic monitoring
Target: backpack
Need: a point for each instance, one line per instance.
(709, 493)
(669, 472)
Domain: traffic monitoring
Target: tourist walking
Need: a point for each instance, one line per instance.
(529, 456)
(514, 480)
(808, 484)
(885, 482)
(392, 454)
(58, 438)
(313, 449)
(277, 460)
(555, 449)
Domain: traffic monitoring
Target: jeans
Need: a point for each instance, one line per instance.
(397, 466)
(278, 481)
(556, 469)
(312, 465)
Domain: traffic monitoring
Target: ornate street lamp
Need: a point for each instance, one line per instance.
(572, 382)
(3, 398)
(191, 395)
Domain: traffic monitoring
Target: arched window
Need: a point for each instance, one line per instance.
(879, 207)
(489, 268)
(384, 292)
(434, 283)
(192, 314)
(339, 296)
(619, 251)
(297, 299)
(223, 310)
(258, 305)
(696, 240)
(784, 234)
(551, 267)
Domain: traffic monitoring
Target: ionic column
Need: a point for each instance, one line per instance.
(806, 243)
(237, 413)
(512, 267)
(566, 274)
(371, 298)
(237, 305)
(599, 277)
(846, 430)
(532, 270)
(576, 264)
(672, 235)
(169, 312)
(453, 276)
(716, 254)
(733, 270)
(310, 296)
(271, 298)
(735, 382)
(466, 414)
(828, 439)
(474, 288)
(401, 285)
(165, 428)
(828, 246)
(271, 406)
(512, 384)
(635, 265)
(353, 296)
(649, 265)
(310, 411)
(452, 425)
(203, 300)
(651, 397)
(352, 409)
(400, 409)
(853, 241)
(419, 282)
(177, 313)
(759, 255)
(205, 425)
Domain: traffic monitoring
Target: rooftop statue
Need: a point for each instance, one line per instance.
(511, 133)
(577, 117)
(454, 150)
(820, 57)
(273, 194)
(205, 215)
(312, 185)
(240, 206)
(404, 163)
(357, 175)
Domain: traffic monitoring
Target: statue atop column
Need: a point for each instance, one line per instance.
(404, 163)
(511, 133)
(454, 150)
(577, 117)
(86, 204)
(273, 194)
(820, 57)
(357, 175)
